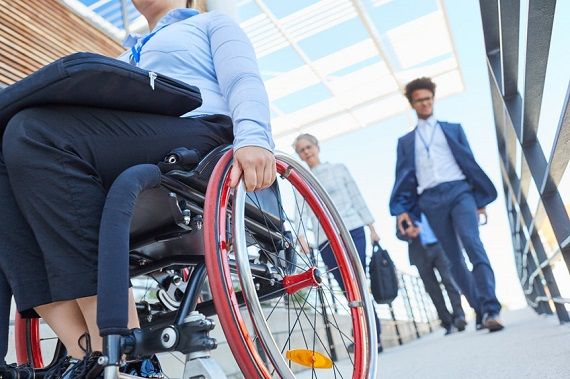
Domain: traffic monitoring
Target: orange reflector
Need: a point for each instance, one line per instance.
(309, 358)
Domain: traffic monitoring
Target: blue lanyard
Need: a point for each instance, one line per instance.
(136, 50)
(427, 145)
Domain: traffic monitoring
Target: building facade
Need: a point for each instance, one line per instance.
(35, 33)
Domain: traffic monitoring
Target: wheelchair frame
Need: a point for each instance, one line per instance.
(178, 330)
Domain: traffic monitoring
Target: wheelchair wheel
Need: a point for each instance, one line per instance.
(297, 319)
(36, 344)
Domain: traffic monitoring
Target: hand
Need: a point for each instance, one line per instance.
(482, 216)
(374, 236)
(257, 166)
(400, 220)
(413, 231)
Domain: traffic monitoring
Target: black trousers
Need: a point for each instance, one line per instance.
(434, 258)
(56, 166)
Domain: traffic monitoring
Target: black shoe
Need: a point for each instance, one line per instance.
(492, 322)
(380, 348)
(72, 368)
(63, 369)
(146, 368)
(14, 371)
(88, 367)
(448, 330)
(479, 321)
(460, 323)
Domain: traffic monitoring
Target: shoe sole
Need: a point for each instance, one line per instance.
(493, 325)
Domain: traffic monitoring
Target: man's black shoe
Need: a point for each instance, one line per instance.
(460, 323)
(492, 322)
(14, 371)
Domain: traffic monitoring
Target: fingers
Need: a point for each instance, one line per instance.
(401, 218)
(235, 174)
(257, 166)
(250, 175)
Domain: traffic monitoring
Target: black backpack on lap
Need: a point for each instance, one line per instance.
(93, 80)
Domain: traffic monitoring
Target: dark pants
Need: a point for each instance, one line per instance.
(60, 162)
(5, 298)
(327, 255)
(434, 258)
(451, 211)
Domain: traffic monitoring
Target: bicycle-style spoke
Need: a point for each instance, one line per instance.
(337, 327)
(314, 327)
(298, 318)
(288, 322)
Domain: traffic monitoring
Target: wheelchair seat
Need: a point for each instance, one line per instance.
(168, 225)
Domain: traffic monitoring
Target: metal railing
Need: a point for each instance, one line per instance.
(540, 226)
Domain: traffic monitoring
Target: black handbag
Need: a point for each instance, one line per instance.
(383, 276)
(93, 80)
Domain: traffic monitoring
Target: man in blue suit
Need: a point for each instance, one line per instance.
(436, 174)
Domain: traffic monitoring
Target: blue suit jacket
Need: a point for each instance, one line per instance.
(404, 196)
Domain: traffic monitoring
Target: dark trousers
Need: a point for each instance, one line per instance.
(327, 255)
(451, 210)
(431, 258)
(5, 298)
(56, 166)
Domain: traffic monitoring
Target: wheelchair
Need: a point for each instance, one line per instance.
(280, 310)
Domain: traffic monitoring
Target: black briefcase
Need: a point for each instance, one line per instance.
(383, 276)
(93, 80)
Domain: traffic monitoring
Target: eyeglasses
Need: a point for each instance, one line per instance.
(419, 101)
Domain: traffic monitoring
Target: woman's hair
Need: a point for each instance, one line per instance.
(420, 83)
(309, 137)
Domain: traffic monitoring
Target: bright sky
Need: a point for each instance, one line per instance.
(370, 153)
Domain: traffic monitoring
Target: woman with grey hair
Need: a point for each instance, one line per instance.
(346, 196)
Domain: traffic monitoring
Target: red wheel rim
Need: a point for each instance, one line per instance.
(27, 341)
(241, 344)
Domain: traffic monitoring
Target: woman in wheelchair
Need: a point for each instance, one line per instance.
(58, 163)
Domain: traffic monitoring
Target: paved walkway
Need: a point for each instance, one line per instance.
(530, 346)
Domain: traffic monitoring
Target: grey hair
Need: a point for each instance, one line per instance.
(309, 137)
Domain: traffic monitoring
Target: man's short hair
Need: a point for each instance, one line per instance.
(420, 83)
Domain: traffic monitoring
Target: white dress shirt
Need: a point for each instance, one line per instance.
(435, 163)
